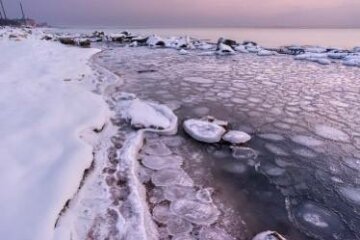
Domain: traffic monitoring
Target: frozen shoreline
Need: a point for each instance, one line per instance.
(46, 116)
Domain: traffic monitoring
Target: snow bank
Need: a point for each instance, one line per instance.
(42, 118)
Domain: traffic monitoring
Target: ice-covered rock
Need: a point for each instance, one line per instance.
(171, 177)
(269, 235)
(157, 163)
(223, 49)
(204, 131)
(195, 212)
(352, 60)
(155, 41)
(236, 137)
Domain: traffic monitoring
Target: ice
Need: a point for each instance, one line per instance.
(155, 41)
(318, 220)
(236, 137)
(198, 80)
(145, 115)
(170, 177)
(173, 141)
(331, 133)
(157, 163)
(241, 48)
(195, 212)
(304, 152)
(272, 136)
(204, 195)
(201, 111)
(204, 131)
(268, 235)
(184, 237)
(161, 213)
(307, 141)
(214, 233)
(183, 52)
(177, 226)
(276, 149)
(353, 163)
(173, 193)
(264, 52)
(351, 193)
(44, 122)
(273, 171)
(157, 149)
(244, 153)
(237, 168)
(224, 49)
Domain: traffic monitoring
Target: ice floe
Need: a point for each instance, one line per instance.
(331, 133)
(204, 131)
(236, 137)
(157, 162)
(170, 177)
(269, 235)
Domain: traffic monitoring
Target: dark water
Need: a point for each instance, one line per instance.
(299, 174)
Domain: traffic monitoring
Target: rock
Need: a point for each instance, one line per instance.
(67, 40)
(249, 43)
(236, 137)
(204, 131)
(117, 37)
(268, 235)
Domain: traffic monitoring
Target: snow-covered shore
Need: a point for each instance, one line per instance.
(44, 114)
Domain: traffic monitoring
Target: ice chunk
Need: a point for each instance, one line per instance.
(161, 213)
(244, 153)
(214, 233)
(276, 149)
(331, 133)
(351, 193)
(157, 163)
(241, 48)
(204, 131)
(307, 141)
(195, 212)
(204, 195)
(157, 149)
(268, 235)
(272, 136)
(183, 52)
(170, 177)
(177, 226)
(143, 114)
(173, 193)
(236, 137)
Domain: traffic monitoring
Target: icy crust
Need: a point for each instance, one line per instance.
(44, 121)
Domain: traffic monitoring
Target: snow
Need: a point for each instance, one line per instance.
(42, 121)
(204, 131)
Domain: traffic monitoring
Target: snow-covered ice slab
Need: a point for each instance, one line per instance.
(42, 120)
(204, 131)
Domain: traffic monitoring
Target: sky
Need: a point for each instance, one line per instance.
(192, 13)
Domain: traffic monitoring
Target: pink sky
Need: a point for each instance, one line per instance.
(189, 13)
